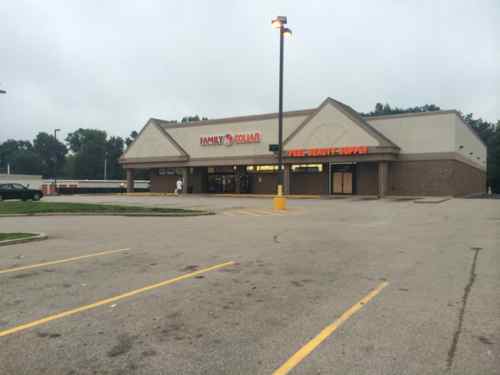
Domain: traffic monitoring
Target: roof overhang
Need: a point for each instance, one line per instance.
(374, 154)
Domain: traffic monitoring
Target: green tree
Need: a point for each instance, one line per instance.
(484, 129)
(194, 118)
(386, 109)
(52, 153)
(20, 156)
(26, 162)
(89, 148)
(489, 135)
(114, 150)
(133, 136)
(69, 169)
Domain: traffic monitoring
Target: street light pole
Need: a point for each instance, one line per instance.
(55, 160)
(280, 117)
(279, 23)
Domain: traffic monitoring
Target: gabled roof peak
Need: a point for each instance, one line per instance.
(351, 114)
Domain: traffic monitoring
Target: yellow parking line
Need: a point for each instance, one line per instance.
(51, 263)
(303, 352)
(110, 300)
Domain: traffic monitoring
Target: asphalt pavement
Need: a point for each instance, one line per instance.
(346, 286)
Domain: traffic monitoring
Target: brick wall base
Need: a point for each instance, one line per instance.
(416, 177)
(309, 183)
(367, 178)
(163, 184)
(435, 177)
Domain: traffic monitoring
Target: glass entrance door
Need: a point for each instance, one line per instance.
(221, 183)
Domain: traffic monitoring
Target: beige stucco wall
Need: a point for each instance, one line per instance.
(432, 134)
(419, 134)
(151, 143)
(465, 137)
(189, 137)
(331, 128)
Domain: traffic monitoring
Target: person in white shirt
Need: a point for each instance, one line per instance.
(178, 186)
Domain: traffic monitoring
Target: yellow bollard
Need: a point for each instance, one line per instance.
(279, 201)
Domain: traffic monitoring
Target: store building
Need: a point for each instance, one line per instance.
(330, 149)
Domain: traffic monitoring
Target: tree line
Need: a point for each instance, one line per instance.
(83, 154)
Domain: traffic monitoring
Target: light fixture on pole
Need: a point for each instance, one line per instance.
(279, 200)
(55, 160)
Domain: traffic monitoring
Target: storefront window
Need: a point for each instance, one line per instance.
(166, 171)
(262, 168)
(307, 168)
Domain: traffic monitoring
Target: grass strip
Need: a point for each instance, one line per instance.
(19, 207)
(15, 236)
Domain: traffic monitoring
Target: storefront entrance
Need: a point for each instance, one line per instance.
(343, 179)
(227, 180)
(221, 183)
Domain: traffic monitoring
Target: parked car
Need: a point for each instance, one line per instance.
(18, 191)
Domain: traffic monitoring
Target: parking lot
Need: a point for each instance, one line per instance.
(343, 286)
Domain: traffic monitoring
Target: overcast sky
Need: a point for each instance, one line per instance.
(113, 64)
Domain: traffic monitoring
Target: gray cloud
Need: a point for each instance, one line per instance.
(114, 64)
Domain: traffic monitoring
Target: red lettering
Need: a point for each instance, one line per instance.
(325, 151)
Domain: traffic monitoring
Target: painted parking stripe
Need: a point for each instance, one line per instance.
(111, 300)
(254, 212)
(60, 261)
(248, 213)
(233, 213)
(303, 352)
(267, 212)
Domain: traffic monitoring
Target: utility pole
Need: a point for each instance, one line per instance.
(55, 160)
(106, 166)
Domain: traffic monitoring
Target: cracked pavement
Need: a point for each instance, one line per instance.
(293, 275)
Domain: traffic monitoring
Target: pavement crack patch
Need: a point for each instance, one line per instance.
(123, 346)
(276, 237)
(485, 340)
(461, 314)
(24, 275)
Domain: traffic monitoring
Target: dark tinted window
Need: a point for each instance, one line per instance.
(18, 186)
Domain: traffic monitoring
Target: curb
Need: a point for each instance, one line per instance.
(36, 237)
(432, 201)
(229, 195)
(139, 214)
(268, 196)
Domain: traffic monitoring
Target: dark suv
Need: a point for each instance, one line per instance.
(18, 191)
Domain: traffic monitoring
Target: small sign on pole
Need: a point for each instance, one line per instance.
(274, 148)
